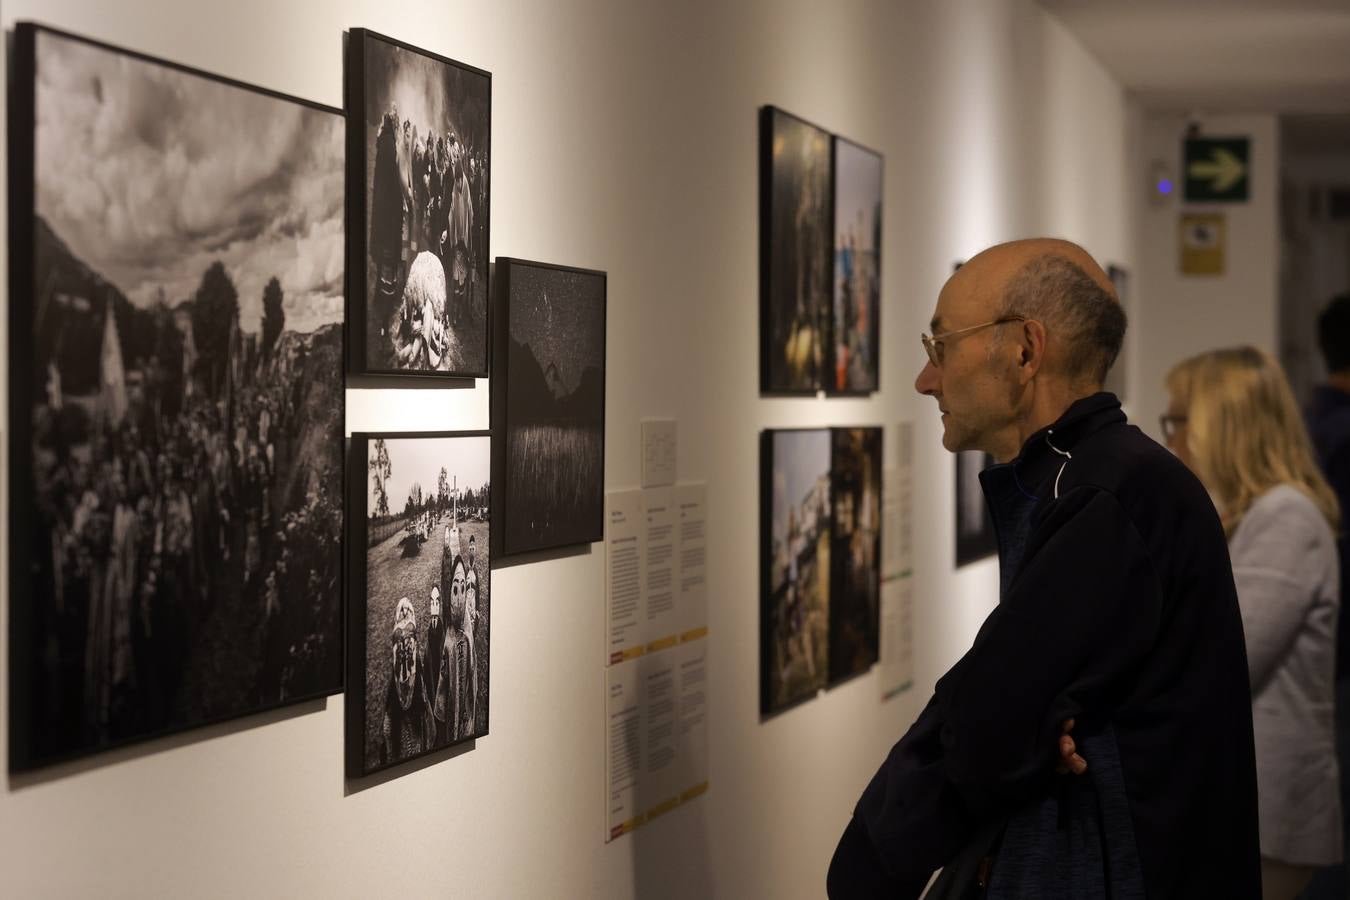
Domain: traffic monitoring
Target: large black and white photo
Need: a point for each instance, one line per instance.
(975, 536)
(421, 595)
(795, 570)
(419, 135)
(549, 400)
(796, 244)
(177, 400)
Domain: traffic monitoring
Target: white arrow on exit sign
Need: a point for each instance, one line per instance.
(1222, 168)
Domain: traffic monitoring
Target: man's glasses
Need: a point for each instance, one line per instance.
(1170, 425)
(935, 344)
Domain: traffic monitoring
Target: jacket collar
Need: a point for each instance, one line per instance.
(1044, 453)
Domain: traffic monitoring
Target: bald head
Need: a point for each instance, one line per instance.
(1058, 284)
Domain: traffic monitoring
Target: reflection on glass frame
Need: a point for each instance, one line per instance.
(975, 536)
(420, 595)
(796, 241)
(176, 406)
(795, 533)
(418, 192)
(855, 359)
(855, 553)
(548, 405)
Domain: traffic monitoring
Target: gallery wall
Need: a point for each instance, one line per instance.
(624, 139)
(1189, 314)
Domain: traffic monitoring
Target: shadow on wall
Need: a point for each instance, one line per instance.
(657, 871)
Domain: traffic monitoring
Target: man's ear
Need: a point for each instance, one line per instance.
(1030, 349)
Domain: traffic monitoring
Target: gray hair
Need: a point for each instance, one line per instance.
(1085, 318)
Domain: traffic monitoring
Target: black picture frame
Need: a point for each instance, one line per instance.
(406, 567)
(856, 371)
(138, 690)
(794, 616)
(855, 550)
(974, 531)
(532, 461)
(781, 321)
(369, 347)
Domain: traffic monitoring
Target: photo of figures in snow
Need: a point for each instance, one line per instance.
(549, 400)
(855, 586)
(421, 595)
(177, 463)
(796, 530)
(796, 309)
(419, 128)
(857, 269)
(975, 537)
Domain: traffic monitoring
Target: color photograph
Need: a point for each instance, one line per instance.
(420, 130)
(176, 322)
(421, 595)
(855, 557)
(795, 611)
(550, 404)
(796, 240)
(857, 269)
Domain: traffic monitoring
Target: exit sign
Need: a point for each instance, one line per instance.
(1215, 170)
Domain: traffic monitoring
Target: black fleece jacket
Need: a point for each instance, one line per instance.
(1120, 611)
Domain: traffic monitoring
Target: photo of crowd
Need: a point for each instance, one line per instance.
(183, 471)
(425, 131)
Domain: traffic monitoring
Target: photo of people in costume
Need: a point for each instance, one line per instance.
(426, 124)
(855, 589)
(181, 479)
(857, 268)
(426, 594)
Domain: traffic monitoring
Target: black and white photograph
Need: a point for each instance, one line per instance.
(975, 537)
(417, 678)
(548, 402)
(1115, 377)
(419, 130)
(796, 531)
(855, 554)
(796, 241)
(176, 398)
(857, 269)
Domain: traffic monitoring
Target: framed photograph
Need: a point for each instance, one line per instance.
(856, 356)
(1116, 380)
(176, 398)
(975, 537)
(419, 129)
(855, 551)
(548, 406)
(795, 566)
(796, 237)
(420, 595)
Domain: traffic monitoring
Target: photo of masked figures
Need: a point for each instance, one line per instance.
(796, 242)
(176, 333)
(796, 530)
(419, 130)
(855, 363)
(855, 592)
(418, 672)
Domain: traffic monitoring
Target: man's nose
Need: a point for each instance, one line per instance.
(929, 380)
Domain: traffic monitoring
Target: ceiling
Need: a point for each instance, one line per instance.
(1290, 56)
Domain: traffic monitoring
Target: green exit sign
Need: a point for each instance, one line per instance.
(1216, 170)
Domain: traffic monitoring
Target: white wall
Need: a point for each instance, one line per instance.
(624, 139)
(1181, 315)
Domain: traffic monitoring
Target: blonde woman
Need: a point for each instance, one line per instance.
(1233, 420)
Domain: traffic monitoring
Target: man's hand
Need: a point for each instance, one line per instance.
(1069, 760)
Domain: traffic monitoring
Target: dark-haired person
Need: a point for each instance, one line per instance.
(1117, 615)
(1328, 417)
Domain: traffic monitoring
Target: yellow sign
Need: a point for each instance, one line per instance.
(1203, 241)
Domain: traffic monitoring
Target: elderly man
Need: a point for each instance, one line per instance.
(1118, 619)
